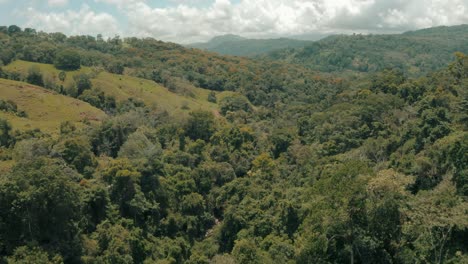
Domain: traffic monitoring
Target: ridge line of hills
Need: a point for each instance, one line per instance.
(416, 52)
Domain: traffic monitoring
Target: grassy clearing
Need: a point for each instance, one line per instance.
(123, 87)
(45, 109)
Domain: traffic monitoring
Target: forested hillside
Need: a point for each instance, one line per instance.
(239, 46)
(156, 153)
(416, 52)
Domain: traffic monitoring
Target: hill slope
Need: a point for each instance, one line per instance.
(304, 168)
(239, 46)
(416, 52)
(45, 109)
(123, 87)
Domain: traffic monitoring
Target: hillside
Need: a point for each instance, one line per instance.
(44, 109)
(123, 87)
(416, 52)
(239, 46)
(179, 155)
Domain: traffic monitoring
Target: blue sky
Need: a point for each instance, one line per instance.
(186, 21)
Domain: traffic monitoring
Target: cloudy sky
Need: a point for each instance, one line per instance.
(187, 21)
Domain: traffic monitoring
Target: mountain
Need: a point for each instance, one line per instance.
(141, 151)
(239, 46)
(416, 52)
(43, 109)
(123, 88)
(216, 42)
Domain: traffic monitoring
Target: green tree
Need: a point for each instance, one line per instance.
(83, 83)
(212, 97)
(200, 125)
(115, 67)
(125, 191)
(246, 252)
(67, 128)
(62, 76)
(5, 136)
(67, 60)
(40, 203)
(14, 29)
(234, 103)
(35, 76)
(76, 151)
(6, 55)
(33, 255)
(433, 217)
(118, 243)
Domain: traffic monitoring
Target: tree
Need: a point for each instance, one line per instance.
(67, 128)
(281, 141)
(29, 255)
(126, 193)
(433, 217)
(77, 153)
(118, 243)
(234, 103)
(35, 76)
(5, 137)
(62, 76)
(115, 67)
(6, 55)
(83, 82)
(212, 97)
(138, 146)
(200, 125)
(246, 252)
(67, 60)
(13, 29)
(40, 203)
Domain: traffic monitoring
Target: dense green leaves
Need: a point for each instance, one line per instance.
(67, 60)
(296, 167)
(5, 136)
(200, 125)
(40, 203)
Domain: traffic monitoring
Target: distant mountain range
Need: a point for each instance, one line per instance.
(240, 46)
(414, 52)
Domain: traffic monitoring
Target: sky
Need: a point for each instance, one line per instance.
(188, 21)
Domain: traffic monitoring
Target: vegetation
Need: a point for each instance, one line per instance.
(67, 60)
(239, 46)
(416, 52)
(185, 156)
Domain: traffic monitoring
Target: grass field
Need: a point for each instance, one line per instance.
(45, 109)
(123, 87)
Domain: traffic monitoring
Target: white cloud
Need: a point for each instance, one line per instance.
(81, 22)
(195, 20)
(120, 3)
(57, 2)
(266, 18)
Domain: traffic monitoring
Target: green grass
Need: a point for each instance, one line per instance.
(48, 71)
(123, 87)
(45, 109)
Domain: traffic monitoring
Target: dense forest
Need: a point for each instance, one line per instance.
(415, 52)
(266, 160)
(240, 46)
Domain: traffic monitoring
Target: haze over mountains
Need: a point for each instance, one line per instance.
(239, 46)
(416, 52)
